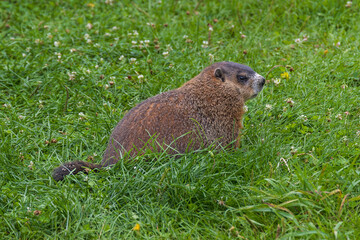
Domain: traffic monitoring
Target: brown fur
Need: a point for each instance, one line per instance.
(206, 110)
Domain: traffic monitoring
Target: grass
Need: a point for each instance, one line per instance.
(296, 175)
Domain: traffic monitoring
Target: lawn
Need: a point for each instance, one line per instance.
(70, 70)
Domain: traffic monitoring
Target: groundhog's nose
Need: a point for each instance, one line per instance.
(262, 81)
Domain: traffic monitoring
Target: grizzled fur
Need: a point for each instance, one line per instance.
(206, 110)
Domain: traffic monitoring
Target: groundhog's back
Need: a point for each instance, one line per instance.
(162, 119)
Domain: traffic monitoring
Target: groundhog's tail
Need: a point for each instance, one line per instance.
(72, 168)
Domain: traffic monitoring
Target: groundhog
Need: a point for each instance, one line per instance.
(207, 110)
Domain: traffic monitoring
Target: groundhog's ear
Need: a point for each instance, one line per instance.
(219, 74)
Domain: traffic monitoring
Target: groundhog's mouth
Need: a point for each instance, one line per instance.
(254, 95)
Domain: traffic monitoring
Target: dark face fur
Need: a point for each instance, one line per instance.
(246, 81)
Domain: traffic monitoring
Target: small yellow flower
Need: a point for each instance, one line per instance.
(326, 51)
(91, 5)
(136, 227)
(285, 75)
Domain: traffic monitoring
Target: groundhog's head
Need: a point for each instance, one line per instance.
(245, 80)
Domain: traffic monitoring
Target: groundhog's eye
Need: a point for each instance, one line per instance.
(242, 78)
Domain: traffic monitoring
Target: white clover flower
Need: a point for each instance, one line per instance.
(169, 48)
(96, 66)
(165, 54)
(289, 100)
(133, 42)
(277, 81)
(116, 39)
(211, 29)
(114, 28)
(339, 116)
(58, 55)
(30, 166)
(185, 36)
(21, 117)
(88, 71)
(298, 40)
(293, 150)
(132, 60)
(73, 50)
(112, 77)
(86, 36)
(24, 54)
(41, 105)
(268, 106)
(57, 44)
(246, 109)
(97, 45)
(89, 26)
(140, 77)
(88, 41)
(121, 57)
(28, 49)
(37, 41)
(135, 33)
(358, 133)
(211, 57)
(81, 114)
(205, 44)
(348, 4)
(72, 75)
(303, 118)
(107, 34)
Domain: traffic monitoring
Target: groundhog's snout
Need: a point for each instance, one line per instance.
(262, 81)
(258, 84)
